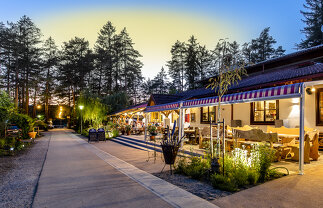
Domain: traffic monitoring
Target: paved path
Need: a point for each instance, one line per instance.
(77, 174)
(291, 191)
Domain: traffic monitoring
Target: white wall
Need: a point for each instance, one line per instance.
(288, 112)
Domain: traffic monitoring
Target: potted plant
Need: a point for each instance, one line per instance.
(128, 129)
(152, 131)
(122, 129)
(170, 146)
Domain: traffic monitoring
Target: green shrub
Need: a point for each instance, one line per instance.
(223, 182)
(273, 173)
(180, 166)
(22, 121)
(85, 132)
(253, 177)
(240, 168)
(115, 133)
(10, 142)
(41, 125)
(19, 145)
(2, 143)
(266, 156)
(236, 169)
(196, 168)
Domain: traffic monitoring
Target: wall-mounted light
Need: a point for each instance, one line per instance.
(309, 90)
(313, 89)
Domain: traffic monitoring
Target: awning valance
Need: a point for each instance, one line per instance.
(273, 93)
(163, 107)
(131, 109)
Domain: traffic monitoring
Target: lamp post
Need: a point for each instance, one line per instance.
(81, 108)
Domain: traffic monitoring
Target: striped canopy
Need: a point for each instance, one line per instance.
(163, 107)
(273, 93)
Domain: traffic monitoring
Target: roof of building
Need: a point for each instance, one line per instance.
(166, 98)
(280, 76)
(131, 108)
(296, 67)
(273, 77)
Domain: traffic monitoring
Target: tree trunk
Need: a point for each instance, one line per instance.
(47, 96)
(27, 92)
(35, 103)
(73, 97)
(218, 128)
(16, 88)
(23, 97)
(100, 80)
(27, 99)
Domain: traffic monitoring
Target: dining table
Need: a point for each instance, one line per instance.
(189, 134)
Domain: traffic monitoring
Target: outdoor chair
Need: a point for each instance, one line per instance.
(307, 148)
(256, 135)
(204, 136)
(314, 148)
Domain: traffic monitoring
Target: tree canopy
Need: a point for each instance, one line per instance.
(313, 19)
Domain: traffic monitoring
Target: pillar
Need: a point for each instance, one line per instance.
(301, 131)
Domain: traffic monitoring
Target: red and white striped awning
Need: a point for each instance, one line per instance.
(273, 93)
(163, 107)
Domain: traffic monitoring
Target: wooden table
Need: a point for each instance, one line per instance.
(189, 133)
(288, 136)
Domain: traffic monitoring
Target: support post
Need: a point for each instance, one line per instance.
(180, 124)
(301, 131)
(211, 139)
(146, 125)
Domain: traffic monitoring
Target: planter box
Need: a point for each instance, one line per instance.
(170, 153)
(32, 135)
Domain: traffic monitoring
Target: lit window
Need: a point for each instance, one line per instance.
(208, 113)
(264, 112)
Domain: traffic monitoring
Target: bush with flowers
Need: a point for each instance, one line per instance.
(241, 168)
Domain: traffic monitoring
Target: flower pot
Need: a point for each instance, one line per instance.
(170, 153)
(32, 134)
(152, 138)
(128, 133)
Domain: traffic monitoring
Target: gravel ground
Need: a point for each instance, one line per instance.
(198, 188)
(19, 174)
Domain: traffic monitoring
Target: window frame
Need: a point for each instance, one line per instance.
(208, 111)
(252, 113)
(317, 107)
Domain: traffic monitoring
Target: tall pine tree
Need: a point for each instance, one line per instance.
(313, 18)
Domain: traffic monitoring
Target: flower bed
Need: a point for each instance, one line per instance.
(239, 170)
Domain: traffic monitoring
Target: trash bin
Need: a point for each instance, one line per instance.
(101, 135)
(92, 135)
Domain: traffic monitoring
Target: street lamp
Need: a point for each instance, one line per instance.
(81, 108)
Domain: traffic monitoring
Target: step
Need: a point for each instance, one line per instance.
(148, 144)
